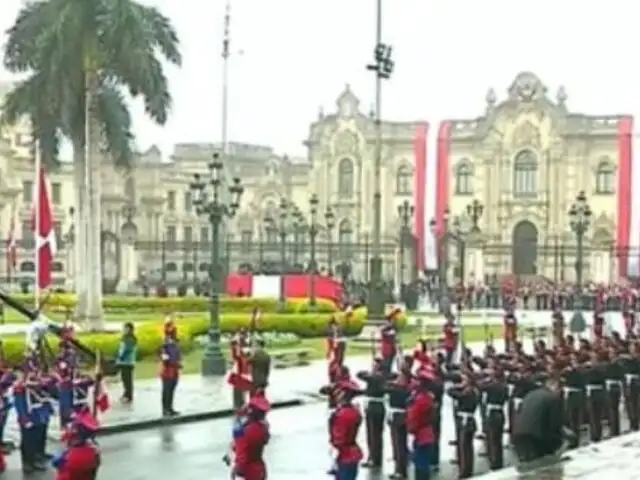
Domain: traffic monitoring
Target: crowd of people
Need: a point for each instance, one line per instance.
(544, 398)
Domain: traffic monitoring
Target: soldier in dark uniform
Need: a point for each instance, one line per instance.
(399, 391)
(467, 398)
(260, 362)
(374, 411)
(495, 391)
(614, 381)
(573, 391)
(631, 363)
(595, 375)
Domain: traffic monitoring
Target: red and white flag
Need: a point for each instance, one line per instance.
(12, 248)
(42, 227)
(431, 149)
(292, 286)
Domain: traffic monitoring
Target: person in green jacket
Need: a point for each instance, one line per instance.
(126, 360)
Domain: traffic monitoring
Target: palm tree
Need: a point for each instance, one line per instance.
(81, 57)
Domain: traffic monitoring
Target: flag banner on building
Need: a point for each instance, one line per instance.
(42, 227)
(295, 286)
(431, 193)
(12, 247)
(628, 199)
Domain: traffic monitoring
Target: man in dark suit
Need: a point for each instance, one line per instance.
(260, 366)
(539, 426)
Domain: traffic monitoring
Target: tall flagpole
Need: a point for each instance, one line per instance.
(226, 40)
(36, 218)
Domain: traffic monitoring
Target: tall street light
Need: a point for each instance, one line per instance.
(313, 233)
(579, 221)
(382, 68)
(330, 223)
(207, 200)
(282, 228)
(405, 213)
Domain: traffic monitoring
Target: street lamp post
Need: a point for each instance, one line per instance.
(297, 223)
(282, 231)
(211, 205)
(382, 68)
(443, 263)
(474, 212)
(313, 233)
(330, 223)
(580, 219)
(405, 212)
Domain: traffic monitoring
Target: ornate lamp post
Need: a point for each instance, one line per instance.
(405, 212)
(330, 223)
(313, 233)
(579, 220)
(382, 68)
(298, 229)
(211, 205)
(281, 228)
(443, 263)
(462, 226)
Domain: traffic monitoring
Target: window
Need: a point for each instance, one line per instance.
(171, 200)
(27, 235)
(170, 236)
(464, 178)
(188, 204)
(204, 234)
(27, 191)
(187, 235)
(345, 178)
(525, 172)
(605, 178)
(57, 228)
(404, 180)
(56, 193)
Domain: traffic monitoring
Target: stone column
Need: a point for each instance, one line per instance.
(128, 259)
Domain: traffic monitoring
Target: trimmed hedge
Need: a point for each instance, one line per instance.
(189, 304)
(150, 334)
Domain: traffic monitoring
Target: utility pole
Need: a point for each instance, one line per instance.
(382, 67)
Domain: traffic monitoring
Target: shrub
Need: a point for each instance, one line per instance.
(187, 304)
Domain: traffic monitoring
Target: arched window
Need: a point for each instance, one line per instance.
(464, 178)
(345, 178)
(345, 237)
(525, 172)
(404, 178)
(605, 178)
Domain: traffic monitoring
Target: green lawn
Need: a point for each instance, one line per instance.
(148, 368)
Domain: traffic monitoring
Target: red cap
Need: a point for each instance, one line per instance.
(260, 403)
(86, 421)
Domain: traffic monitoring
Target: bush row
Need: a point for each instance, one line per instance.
(150, 333)
(191, 304)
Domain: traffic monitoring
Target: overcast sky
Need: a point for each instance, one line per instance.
(298, 55)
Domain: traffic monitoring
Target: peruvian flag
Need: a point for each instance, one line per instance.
(12, 249)
(42, 227)
(295, 286)
(628, 199)
(431, 150)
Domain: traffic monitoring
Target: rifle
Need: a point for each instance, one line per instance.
(108, 365)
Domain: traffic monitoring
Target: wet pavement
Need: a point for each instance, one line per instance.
(298, 449)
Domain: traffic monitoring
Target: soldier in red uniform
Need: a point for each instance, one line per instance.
(598, 325)
(249, 439)
(170, 365)
(81, 459)
(344, 425)
(450, 338)
(510, 329)
(240, 376)
(333, 335)
(388, 342)
(420, 410)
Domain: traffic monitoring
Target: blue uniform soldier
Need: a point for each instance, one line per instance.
(29, 408)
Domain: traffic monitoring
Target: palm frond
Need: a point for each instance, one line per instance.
(112, 113)
(22, 50)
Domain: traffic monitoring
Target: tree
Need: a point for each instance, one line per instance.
(81, 57)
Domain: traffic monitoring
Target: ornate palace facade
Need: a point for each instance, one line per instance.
(537, 152)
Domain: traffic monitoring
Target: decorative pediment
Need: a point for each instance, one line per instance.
(527, 87)
(346, 142)
(526, 134)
